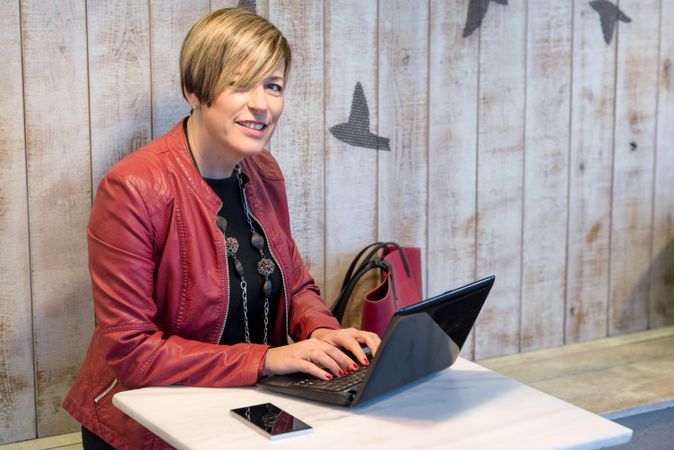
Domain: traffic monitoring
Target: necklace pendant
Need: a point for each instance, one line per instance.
(232, 245)
(221, 222)
(265, 267)
(257, 240)
(239, 267)
(266, 288)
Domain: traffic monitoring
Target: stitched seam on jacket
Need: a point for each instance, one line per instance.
(159, 203)
(127, 326)
(182, 245)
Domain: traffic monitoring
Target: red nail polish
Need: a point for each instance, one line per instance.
(349, 370)
(355, 367)
(328, 376)
(341, 373)
(366, 362)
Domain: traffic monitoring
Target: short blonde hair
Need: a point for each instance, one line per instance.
(230, 47)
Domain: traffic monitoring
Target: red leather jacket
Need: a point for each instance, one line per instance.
(161, 288)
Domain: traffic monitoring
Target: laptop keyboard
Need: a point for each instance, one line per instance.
(336, 384)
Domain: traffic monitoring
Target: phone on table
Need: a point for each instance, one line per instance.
(271, 421)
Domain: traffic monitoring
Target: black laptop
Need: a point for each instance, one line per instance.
(420, 339)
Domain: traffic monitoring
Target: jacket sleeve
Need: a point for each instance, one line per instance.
(121, 244)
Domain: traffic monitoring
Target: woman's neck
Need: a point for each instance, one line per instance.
(211, 162)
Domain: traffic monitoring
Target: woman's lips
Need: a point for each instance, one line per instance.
(252, 128)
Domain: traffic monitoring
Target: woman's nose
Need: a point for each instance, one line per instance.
(257, 100)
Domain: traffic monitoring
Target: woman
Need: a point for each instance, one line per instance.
(196, 278)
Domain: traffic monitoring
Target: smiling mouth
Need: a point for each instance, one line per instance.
(258, 126)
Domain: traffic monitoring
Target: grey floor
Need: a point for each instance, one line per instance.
(651, 431)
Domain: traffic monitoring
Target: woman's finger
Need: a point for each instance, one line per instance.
(353, 345)
(302, 365)
(327, 358)
(334, 351)
(360, 355)
(347, 363)
(357, 339)
(372, 341)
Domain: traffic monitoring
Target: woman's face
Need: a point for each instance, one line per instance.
(241, 122)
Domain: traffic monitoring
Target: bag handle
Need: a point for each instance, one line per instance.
(369, 262)
(339, 307)
(352, 267)
(376, 246)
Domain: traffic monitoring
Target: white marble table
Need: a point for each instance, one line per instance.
(464, 407)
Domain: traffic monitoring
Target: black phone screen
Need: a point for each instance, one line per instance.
(271, 420)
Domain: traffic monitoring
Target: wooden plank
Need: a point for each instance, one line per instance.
(590, 163)
(59, 187)
(452, 151)
(662, 265)
(350, 197)
(606, 375)
(522, 361)
(499, 176)
(617, 388)
(72, 441)
(633, 170)
(403, 117)
(261, 6)
(218, 4)
(119, 62)
(17, 391)
(299, 139)
(546, 173)
(551, 365)
(169, 23)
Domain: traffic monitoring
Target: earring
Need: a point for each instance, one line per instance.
(195, 106)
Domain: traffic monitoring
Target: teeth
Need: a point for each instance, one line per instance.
(252, 125)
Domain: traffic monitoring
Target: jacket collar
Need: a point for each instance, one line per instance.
(177, 142)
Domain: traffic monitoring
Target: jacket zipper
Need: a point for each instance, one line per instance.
(106, 391)
(224, 246)
(273, 257)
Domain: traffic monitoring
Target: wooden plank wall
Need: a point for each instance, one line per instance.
(661, 304)
(525, 141)
(546, 134)
(500, 155)
(17, 369)
(348, 31)
(590, 176)
(58, 158)
(633, 169)
(453, 72)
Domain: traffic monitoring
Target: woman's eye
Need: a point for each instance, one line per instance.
(275, 87)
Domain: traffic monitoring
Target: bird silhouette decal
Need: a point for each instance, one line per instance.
(356, 131)
(248, 4)
(476, 12)
(609, 14)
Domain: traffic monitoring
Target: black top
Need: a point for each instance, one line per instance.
(238, 227)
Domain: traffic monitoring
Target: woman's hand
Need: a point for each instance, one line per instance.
(321, 353)
(350, 339)
(312, 356)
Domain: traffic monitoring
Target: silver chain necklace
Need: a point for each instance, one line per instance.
(265, 267)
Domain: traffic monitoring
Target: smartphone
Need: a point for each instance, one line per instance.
(271, 421)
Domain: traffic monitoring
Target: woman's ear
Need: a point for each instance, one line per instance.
(192, 99)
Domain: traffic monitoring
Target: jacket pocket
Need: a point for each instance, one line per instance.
(106, 391)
